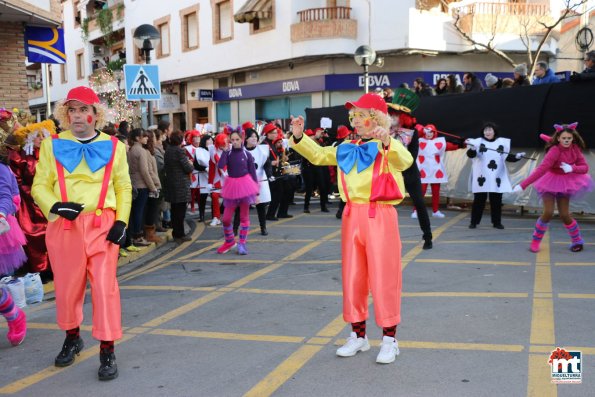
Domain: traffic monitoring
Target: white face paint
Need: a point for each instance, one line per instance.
(428, 133)
(489, 133)
(565, 139)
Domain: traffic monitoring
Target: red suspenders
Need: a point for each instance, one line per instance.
(104, 186)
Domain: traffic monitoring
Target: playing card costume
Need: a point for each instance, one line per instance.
(489, 176)
(430, 161)
(83, 187)
(370, 242)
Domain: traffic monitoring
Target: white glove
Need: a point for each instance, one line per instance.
(272, 179)
(469, 144)
(517, 189)
(520, 155)
(566, 167)
(209, 187)
(4, 226)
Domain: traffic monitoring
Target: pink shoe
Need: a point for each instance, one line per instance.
(226, 247)
(534, 246)
(17, 329)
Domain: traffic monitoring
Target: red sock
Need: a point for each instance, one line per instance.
(359, 329)
(74, 333)
(106, 346)
(389, 331)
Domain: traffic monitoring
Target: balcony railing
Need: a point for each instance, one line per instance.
(322, 14)
(505, 9)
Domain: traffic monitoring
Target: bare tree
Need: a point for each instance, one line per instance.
(528, 27)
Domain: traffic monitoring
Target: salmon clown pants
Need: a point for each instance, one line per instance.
(79, 254)
(371, 256)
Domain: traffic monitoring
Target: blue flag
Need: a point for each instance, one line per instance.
(44, 45)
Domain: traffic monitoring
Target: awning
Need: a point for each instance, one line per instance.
(254, 9)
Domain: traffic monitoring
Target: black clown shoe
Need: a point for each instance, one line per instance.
(263, 231)
(108, 369)
(427, 244)
(69, 349)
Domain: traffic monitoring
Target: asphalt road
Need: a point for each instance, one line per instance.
(481, 315)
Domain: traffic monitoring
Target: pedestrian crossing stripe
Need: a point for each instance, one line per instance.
(142, 82)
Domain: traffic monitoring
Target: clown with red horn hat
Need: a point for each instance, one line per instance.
(371, 184)
(82, 186)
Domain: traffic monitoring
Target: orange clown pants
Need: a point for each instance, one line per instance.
(371, 249)
(79, 254)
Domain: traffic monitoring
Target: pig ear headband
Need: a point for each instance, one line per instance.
(562, 127)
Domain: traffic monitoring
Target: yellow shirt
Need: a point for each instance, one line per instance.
(82, 185)
(359, 185)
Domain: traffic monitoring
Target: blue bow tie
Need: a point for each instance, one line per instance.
(348, 153)
(70, 153)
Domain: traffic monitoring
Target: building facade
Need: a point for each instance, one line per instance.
(227, 61)
(14, 16)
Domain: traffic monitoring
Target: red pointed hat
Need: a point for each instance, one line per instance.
(309, 132)
(369, 101)
(247, 125)
(342, 132)
(82, 94)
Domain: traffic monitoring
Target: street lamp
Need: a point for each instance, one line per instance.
(365, 56)
(146, 37)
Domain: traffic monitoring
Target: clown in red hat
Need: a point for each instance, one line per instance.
(371, 184)
(82, 186)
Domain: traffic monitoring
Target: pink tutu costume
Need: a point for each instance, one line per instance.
(240, 189)
(549, 178)
(12, 255)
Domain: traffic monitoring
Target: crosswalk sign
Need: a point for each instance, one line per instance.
(142, 82)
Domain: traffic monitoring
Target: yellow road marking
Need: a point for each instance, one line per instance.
(473, 262)
(539, 377)
(229, 336)
(549, 349)
(542, 324)
(253, 276)
(268, 240)
(576, 296)
(415, 251)
(183, 309)
(319, 341)
(289, 292)
(333, 328)
(574, 264)
(465, 294)
(481, 242)
(159, 264)
(50, 371)
(283, 372)
(227, 261)
(165, 288)
(493, 347)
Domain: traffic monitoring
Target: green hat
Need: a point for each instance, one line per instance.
(404, 100)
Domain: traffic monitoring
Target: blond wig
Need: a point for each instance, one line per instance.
(61, 114)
